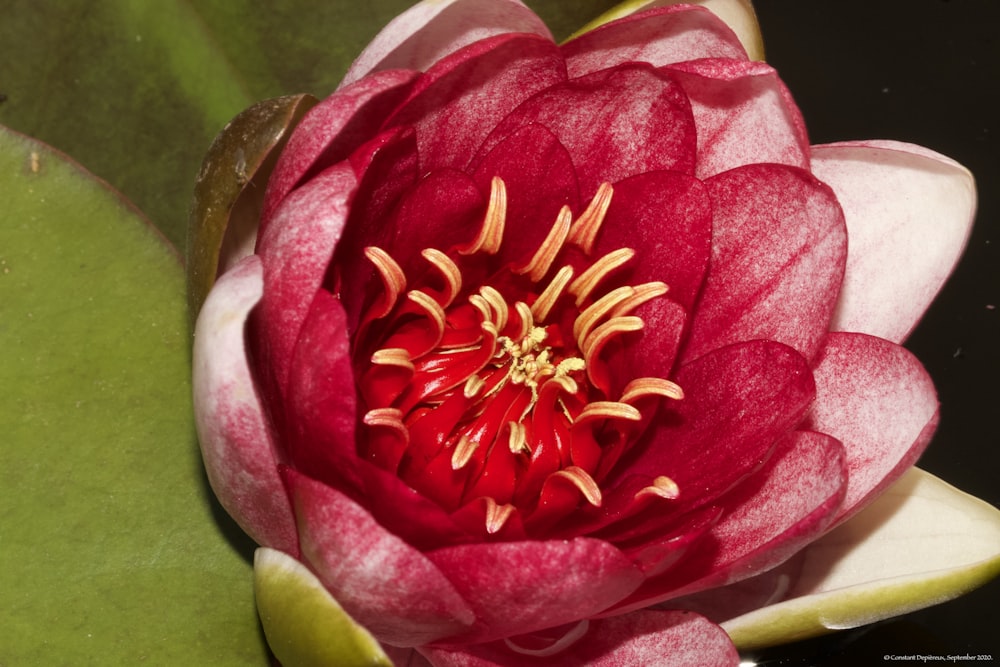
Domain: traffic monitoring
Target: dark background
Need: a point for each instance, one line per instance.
(924, 71)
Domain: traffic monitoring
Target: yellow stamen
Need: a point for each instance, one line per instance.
(527, 319)
(651, 386)
(607, 410)
(643, 293)
(496, 515)
(662, 487)
(584, 231)
(542, 260)
(518, 440)
(582, 480)
(491, 232)
(449, 271)
(588, 281)
(498, 304)
(596, 339)
(393, 356)
(391, 418)
(587, 320)
(473, 386)
(464, 449)
(547, 299)
(433, 310)
(393, 280)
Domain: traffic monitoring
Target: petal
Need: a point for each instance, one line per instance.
(615, 123)
(332, 130)
(658, 37)
(651, 637)
(540, 179)
(303, 624)
(320, 403)
(921, 543)
(433, 29)
(909, 214)
(517, 587)
(773, 515)
(465, 95)
(777, 262)
(877, 399)
(387, 585)
(739, 15)
(235, 436)
(295, 250)
(744, 115)
(740, 399)
(666, 217)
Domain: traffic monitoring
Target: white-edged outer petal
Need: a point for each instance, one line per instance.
(909, 214)
(432, 29)
(739, 15)
(921, 543)
(878, 400)
(236, 441)
(303, 623)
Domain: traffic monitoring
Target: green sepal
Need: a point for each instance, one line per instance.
(304, 624)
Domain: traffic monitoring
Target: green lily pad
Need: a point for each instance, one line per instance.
(110, 551)
(136, 90)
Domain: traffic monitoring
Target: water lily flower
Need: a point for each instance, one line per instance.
(536, 348)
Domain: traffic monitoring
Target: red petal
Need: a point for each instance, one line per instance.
(772, 515)
(876, 398)
(658, 36)
(517, 587)
(778, 258)
(540, 179)
(385, 584)
(466, 94)
(332, 130)
(738, 401)
(235, 434)
(295, 251)
(744, 115)
(649, 637)
(666, 217)
(321, 404)
(615, 123)
(429, 31)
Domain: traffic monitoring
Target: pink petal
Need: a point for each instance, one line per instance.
(295, 251)
(773, 515)
(383, 583)
(777, 260)
(876, 398)
(650, 637)
(465, 95)
(615, 123)
(659, 37)
(429, 31)
(909, 215)
(332, 130)
(236, 440)
(744, 115)
(738, 401)
(517, 587)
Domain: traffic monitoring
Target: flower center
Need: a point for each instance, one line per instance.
(498, 396)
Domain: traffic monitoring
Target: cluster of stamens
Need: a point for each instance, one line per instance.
(502, 399)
